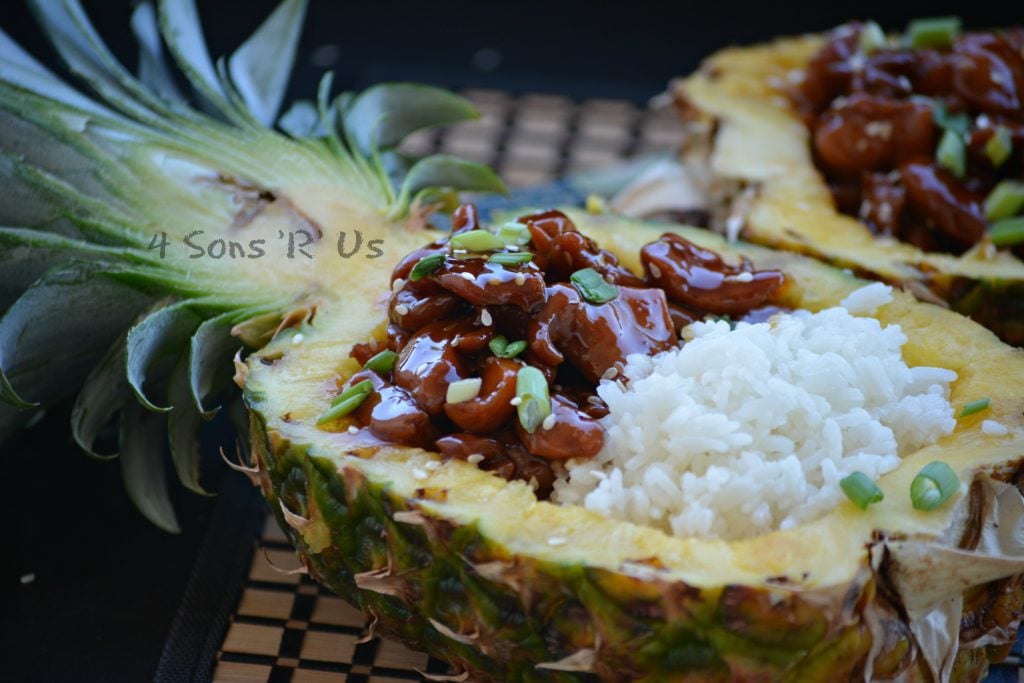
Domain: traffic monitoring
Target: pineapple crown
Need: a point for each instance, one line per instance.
(90, 176)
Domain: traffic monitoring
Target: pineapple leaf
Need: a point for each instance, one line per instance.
(72, 301)
(142, 465)
(382, 116)
(183, 425)
(302, 120)
(159, 335)
(210, 352)
(104, 392)
(153, 69)
(442, 170)
(260, 68)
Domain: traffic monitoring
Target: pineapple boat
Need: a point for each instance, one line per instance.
(899, 157)
(481, 435)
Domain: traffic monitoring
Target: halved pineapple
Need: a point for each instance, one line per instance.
(478, 571)
(442, 554)
(751, 155)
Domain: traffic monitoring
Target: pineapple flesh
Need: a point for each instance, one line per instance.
(441, 554)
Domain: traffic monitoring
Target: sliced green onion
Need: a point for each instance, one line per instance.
(859, 488)
(534, 399)
(593, 287)
(510, 259)
(382, 362)
(933, 32)
(463, 390)
(933, 486)
(1005, 200)
(595, 204)
(514, 233)
(1007, 232)
(477, 240)
(975, 407)
(999, 146)
(425, 266)
(959, 123)
(347, 401)
(952, 154)
(501, 347)
(872, 38)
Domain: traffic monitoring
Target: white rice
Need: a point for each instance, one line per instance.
(747, 430)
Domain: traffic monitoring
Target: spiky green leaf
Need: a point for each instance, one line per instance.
(210, 351)
(260, 68)
(444, 171)
(302, 120)
(183, 425)
(103, 394)
(159, 337)
(153, 69)
(142, 465)
(382, 116)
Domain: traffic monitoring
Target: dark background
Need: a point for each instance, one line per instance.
(105, 585)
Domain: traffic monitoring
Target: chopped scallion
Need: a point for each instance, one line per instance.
(593, 287)
(959, 123)
(1007, 232)
(425, 266)
(999, 146)
(514, 349)
(952, 153)
(933, 32)
(514, 233)
(463, 390)
(859, 488)
(502, 348)
(347, 401)
(933, 486)
(872, 38)
(1005, 200)
(382, 362)
(498, 344)
(510, 259)
(477, 240)
(975, 407)
(534, 399)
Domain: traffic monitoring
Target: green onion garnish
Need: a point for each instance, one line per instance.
(382, 362)
(960, 123)
(975, 407)
(933, 32)
(1007, 232)
(593, 287)
(952, 154)
(999, 146)
(1005, 200)
(463, 390)
(933, 486)
(501, 347)
(498, 344)
(347, 401)
(859, 488)
(425, 266)
(534, 399)
(514, 233)
(476, 240)
(872, 38)
(510, 259)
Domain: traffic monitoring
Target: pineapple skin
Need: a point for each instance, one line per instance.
(752, 150)
(408, 571)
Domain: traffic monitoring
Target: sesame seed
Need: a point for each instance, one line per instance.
(460, 251)
(610, 373)
(417, 473)
(352, 429)
(397, 284)
(433, 465)
(512, 247)
(557, 540)
(474, 458)
(516, 401)
(548, 422)
(456, 341)
(594, 400)
(485, 318)
(373, 343)
(655, 270)
(402, 309)
(297, 339)
(495, 280)
(534, 484)
(745, 277)
(520, 279)
(468, 277)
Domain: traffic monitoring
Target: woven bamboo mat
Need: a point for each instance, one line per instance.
(288, 628)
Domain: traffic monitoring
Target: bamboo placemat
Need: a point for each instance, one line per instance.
(288, 628)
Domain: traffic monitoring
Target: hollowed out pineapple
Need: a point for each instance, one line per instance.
(441, 554)
(751, 153)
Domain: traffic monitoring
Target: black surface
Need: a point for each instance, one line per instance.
(107, 585)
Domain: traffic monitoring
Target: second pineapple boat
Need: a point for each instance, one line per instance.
(481, 323)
